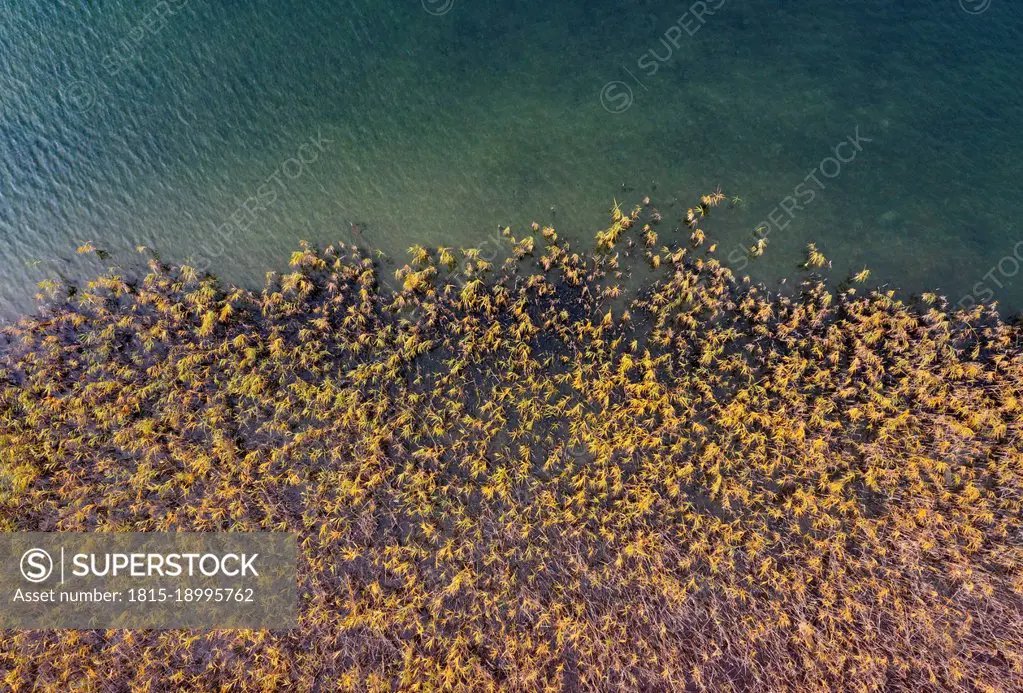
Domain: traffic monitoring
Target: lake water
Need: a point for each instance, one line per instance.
(432, 122)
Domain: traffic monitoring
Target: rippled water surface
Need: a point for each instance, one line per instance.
(152, 124)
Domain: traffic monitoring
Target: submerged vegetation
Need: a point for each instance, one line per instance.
(537, 475)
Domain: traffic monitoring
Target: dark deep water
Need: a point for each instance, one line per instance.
(152, 123)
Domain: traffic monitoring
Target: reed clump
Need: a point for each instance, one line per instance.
(537, 475)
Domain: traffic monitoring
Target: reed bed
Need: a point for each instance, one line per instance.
(536, 475)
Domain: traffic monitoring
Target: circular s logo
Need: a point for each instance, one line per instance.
(975, 6)
(438, 8)
(36, 565)
(79, 95)
(616, 97)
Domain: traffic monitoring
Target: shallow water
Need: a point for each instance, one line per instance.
(439, 120)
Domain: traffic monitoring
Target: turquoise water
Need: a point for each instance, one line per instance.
(433, 122)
